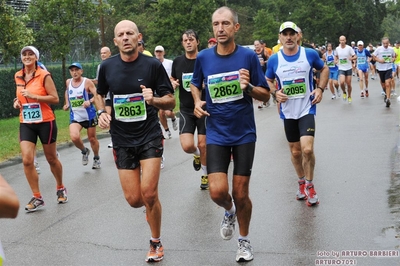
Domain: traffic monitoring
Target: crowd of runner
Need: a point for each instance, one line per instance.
(217, 86)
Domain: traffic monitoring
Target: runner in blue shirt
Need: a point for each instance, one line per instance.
(363, 58)
(232, 76)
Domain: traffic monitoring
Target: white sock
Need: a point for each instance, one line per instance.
(204, 167)
(243, 238)
(197, 152)
(233, 209)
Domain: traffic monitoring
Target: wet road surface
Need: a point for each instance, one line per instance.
(357, 177)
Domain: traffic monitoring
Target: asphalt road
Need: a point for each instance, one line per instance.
(356, 177)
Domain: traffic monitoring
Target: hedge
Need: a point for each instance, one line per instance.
(7, 86)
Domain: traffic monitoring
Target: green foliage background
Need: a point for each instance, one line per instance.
(63, 30)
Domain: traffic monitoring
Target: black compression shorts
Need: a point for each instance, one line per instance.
(219, 157)
(46, 131)
(188, 123)
(296, 128)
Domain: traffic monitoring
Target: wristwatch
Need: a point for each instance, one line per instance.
(99, 112)
(249, 88)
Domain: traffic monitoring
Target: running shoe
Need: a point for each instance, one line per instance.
(96, 164)
(260, 106)
(175, 124)
(312, 197)
(62, 195)
(34, 204)
(349, 99)
(85, 157)
(333, 97)
(168, 134)
(366, 93)
(301, 195)
(204, 182)
(384, 98)
(383, 93)
(344, 97)
(156, 252)
(267, 104)
(245, 251)
(338, 92)
(162, 162)
(372, 77)
(227, 228)
(362, 94)
(196, 163)
(387, 102)
(37, 166)
(110, 145)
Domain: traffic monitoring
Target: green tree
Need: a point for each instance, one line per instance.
(391, 21)
(266, 27)
(246, 16)
(360, 19)
(322, 21)
(61, 22)
(13, 31)
(139, 11)
(172, 17)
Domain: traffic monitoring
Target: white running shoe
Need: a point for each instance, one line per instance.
(227, 228)
(175, 124)
(162, 162)
(37, 166)
(245, 251)
(85, 157)
(96, 164)
(168, 135)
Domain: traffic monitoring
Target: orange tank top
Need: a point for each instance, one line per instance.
(33, 111)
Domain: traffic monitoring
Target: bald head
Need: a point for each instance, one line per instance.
(126, 38)
(105, 53)
(125, 24)
(342, 41)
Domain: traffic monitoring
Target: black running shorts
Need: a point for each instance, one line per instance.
(346, 72)
(296, 128)
(385, 75)
(130, 157)
(219, 157)
(88, 123)
(46, 131)
(188, 123)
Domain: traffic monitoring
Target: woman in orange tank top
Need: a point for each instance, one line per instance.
(35, 93)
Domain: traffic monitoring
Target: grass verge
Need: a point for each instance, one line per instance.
(9, 141)
(9, 137)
